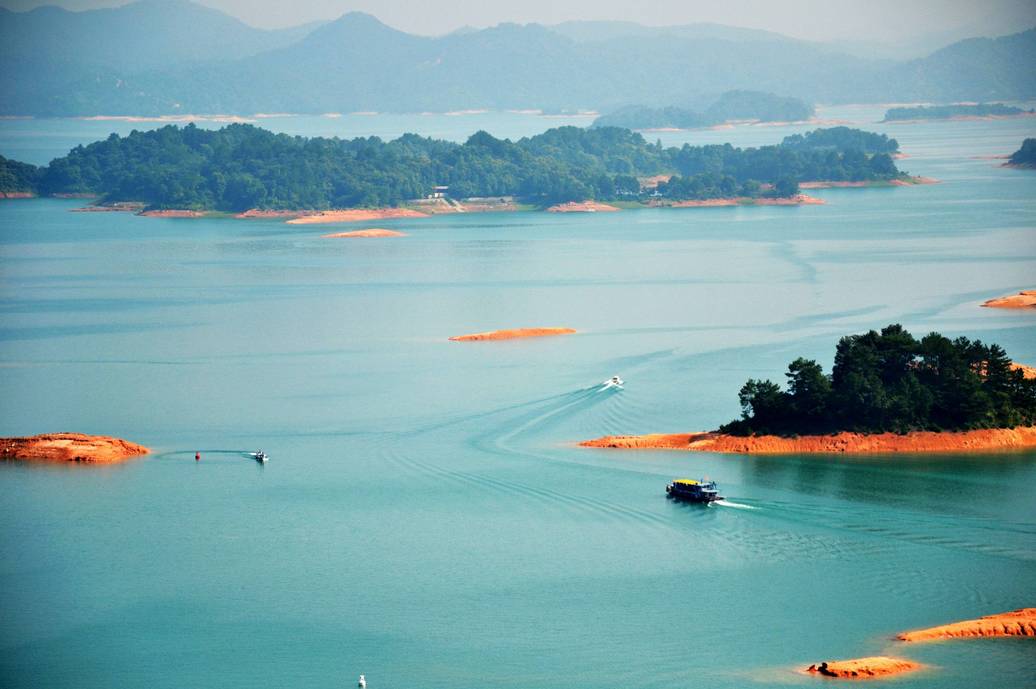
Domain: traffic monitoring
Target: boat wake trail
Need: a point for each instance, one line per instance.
(579, 399)
(738, 505)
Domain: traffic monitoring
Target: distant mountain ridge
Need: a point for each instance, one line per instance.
(731, 106)
(156, 57)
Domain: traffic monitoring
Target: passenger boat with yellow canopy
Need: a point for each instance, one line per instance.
(690, 490)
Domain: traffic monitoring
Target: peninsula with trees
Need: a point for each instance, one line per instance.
(887, 392)
(755, 106)
(245, 168)
(1024, 157)
(965, 111)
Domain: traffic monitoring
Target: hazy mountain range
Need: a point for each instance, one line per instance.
(172, 56)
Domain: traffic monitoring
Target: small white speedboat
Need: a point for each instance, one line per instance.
(614, 382)
(260, 456)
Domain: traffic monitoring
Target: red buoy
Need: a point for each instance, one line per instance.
(197, 456)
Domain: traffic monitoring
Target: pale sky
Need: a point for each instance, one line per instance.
(878, 21)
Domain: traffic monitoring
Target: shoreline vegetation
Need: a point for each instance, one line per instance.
(70, 447)
(887, 392)
(959, 111)
(250, 172)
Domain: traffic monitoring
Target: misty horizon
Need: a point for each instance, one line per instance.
(879, 23)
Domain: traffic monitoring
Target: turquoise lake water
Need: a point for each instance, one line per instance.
(425, 518)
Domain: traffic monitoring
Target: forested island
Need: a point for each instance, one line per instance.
(241, 167)
(842, 139)
(732, 105)
(946, 112)
(1024, 156)
(892, 382)
(887, 392)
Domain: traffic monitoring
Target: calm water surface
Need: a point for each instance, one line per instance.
(425, 518)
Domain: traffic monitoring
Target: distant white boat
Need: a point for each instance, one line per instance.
(362, 684)
(260, 456)
(614, 382)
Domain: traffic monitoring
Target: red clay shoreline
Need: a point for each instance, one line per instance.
(582, 207)
(1021, 622)
(1016, 623)
(355, 215)
(513, 334)
(173, 213)
(796, 200)
(373, 232)
(1026, 299)
(344, 215)
(901, 182)
(71, 447)
(864, 668)
(838, 443)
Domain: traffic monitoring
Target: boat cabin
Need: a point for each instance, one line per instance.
(693, 491)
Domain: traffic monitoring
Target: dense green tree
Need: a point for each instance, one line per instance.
(889, 381)
(18, 177)
(786, 186)
(842, 139)
(1024, 156)
(809, 393)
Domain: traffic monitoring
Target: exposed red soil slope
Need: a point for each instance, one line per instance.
(582, 207)
(1026, 299)
(356, 215)
(512, 334)
(373, 232)
(919, 441)
(71, 447)
(172, 213)
(797, 200)
(864, 668)
(1015, 623)
(260, 214)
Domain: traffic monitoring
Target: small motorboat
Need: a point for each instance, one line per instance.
(362, 684)
(614, 382)
(690, 490)
(260, 456)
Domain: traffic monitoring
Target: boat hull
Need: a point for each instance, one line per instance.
(702, 499)
(696, 492)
